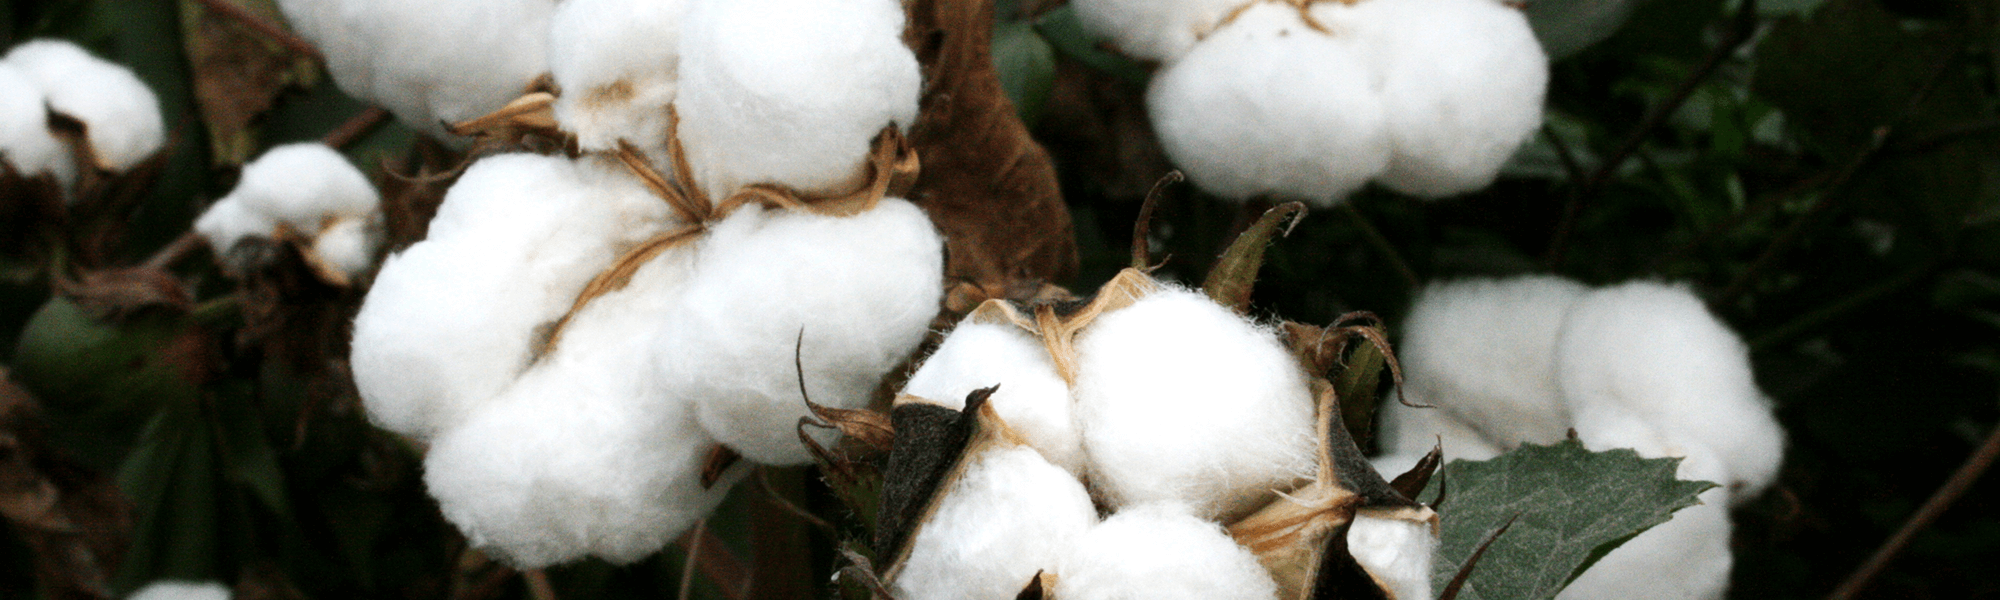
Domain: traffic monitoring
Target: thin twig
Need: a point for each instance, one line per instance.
(356, 126)
(718, 564)
(174, 251)
(265, 28)
(539, 587)
(1961, 481)
(1564, 154)
(687, 566)
(1381, 244)
(1741, 28)
(771, 491)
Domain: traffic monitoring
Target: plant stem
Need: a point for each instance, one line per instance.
(174, 251)
(351, 130)
(538, 585)
(1960, 482)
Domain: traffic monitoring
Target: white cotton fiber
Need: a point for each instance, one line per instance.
(305, 185)
(791, 91)
(1158, 551)
(1011, 515)
(1267, 105)
(1032, 399)
(1181, 399)
(1405, 434)
(1461, 82)
(1396, 552)
(121, 115)
(226, 223)
(863, 289)
(587, 453)
(618, 63)
(1686, 558)
(349, 244)
(183, 590)
(1652, 353)
(452, 319)
(1483, 350)
(1161, 30)
(25, 141)
(433, 62)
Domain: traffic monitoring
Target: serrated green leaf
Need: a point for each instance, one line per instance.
(1574, 505)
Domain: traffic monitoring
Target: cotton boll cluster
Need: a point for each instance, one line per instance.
(430, 63)
(183, 590)
(1160, 550)
(305, 193)
(1641, 365)
(617, 62)
(120, 115)
(1313, 100)
(1011, 515)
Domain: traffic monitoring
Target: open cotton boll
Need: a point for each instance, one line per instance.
(227, 222)
(1462, 86)
(1160, 551)
(1653, 351)
(430, 63)
(1267, 105)
(305, 186)
(1181, 399)
(1161, 30)
(26, 144)
(1408, 433)
(348, 244)
(183, 590)
(863, 289)
(1685, 558)
(452, 319)
(120, 114)
(1009, 516)
(1483, 349)
(587, 453)
(1397, 552)
(791, 91)
(1032, 399)
(617, 62)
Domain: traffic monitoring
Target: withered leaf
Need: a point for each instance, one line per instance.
(1234, 275)
(73, 521)
(930, 441)
(1412, 482)
(119, 292)
(238, 72)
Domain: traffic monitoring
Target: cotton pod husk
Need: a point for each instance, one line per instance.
(862, 288)
(1032, 397)
(121, 116)
(618, 65)
(1461, 83)
(791, 92)
(1154, 29)
(1483, 351)
(926, 456)
(1160, 550)
(26, 144)
(428, 346)
(588, 453)
(1269, 105)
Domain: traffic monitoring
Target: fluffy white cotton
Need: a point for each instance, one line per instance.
(433, 62)
(304, 185)
(863, 290)
(1483, 350)
(1267, 105)
(454, 318)
(1154, 29)
(183, 590)
(1181, 399)
(587, 453)
(1461, 82)
(618, 63)
(349, 244)
(1010, 515)
(1686, 558)
(25, 141)
(791, 91)
(1032, 399)
(1159, 551)
(1407, 433)
(1647, 357)
(1397, 552)
(226, 223)
(121, 115)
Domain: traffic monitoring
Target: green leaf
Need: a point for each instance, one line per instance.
(247, 455)
(1067, 34)
(102, 381)
(171, 481)
(1574, 505)
(1027, 67)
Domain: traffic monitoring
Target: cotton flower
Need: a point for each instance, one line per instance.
(1009, 516)
(1033, 399)
(121, 116)
(1160, 551)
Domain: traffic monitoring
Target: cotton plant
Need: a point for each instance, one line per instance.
(734, 202)
(1313, 99)
(119, 115)
(306, 194)
(1640, 365)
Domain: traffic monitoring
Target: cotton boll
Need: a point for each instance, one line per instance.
(1160, 551)
(1482, 349)
(434, 337)
(1396, 552)
(430, 63)
(1407, 433)
(1652, 352)
(1153, 29)
(617, 62)
(1033, 399)
(1267, 105)
(227, 222)
(120, 114)
(791, 91)
(25, 141)
(348, 244)
(1010, 515)
(587, 453)
(1686, 558)
(305, 186)
(183, 590)
(863, 289)
(1462, 86)
(1180, 399)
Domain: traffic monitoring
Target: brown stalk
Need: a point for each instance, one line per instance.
(1960, 482)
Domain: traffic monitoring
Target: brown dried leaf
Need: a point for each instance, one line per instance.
(989, 187)
(1234, 276)
(411, 194)
(120, 292)
(238, 72)
(1412, 482)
